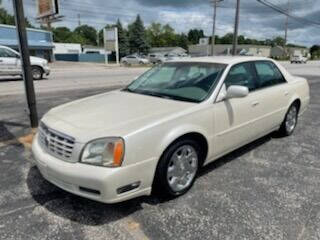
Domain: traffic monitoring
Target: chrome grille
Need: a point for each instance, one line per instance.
(55, 143)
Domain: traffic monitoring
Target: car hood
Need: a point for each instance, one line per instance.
(37, 60)
(116, 113)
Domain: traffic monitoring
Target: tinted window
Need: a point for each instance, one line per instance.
(243, 75)
(7, 53)
(268, 74)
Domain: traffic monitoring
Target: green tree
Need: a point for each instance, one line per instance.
(315, 51)
(88, 33)
(137, 37)
(65, 35)
(123, 39)
(169, 36)
(159, 35)
(154, 35)
(278, 41)
(6, 18)
(194, 35)
(227, 39)
(182, 41)
(61, 34)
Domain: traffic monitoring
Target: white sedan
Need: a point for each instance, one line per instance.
(161, 129)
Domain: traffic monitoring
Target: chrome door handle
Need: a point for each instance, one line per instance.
(254, 104)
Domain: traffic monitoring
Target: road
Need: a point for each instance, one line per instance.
(74, 77)
(268, 189)
(83, 76)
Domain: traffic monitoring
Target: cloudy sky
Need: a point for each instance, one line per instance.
(256, 20)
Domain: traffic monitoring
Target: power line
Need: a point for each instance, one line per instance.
(285, 12)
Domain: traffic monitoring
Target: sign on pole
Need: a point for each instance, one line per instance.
(111, 42)
(47, 8)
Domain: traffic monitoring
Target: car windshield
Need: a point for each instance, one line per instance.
(184, 81)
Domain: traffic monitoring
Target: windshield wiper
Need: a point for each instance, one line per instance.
(161, 95)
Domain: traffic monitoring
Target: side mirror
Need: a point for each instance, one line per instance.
(236, 91)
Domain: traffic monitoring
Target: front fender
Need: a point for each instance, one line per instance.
(178, 132)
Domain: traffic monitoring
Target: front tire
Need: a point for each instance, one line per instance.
(178, 168)
(290, 122)
(37, 73)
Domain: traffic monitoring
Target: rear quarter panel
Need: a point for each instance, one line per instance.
(299, 89)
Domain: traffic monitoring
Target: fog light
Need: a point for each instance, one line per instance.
(128, 188)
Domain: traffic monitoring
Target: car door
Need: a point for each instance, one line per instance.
(274, 93)
(131, 59)
(135, 60)
(235, 120)
(8, 62)
(4, 68)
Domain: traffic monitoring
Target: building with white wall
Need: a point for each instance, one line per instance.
(67, 48)
(226, 49)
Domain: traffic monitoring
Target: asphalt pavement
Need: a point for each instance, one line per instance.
(268, 189)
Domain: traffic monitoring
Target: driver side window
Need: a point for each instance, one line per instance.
(242, 75)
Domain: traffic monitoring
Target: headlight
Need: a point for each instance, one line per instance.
(106, 152)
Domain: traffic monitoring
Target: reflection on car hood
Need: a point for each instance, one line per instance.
(37, 60)
(115, 113)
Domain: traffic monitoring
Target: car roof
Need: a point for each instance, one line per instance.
(228, 60)
(1, 46)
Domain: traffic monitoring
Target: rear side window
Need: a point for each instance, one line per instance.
(268, 74)
(243, 75)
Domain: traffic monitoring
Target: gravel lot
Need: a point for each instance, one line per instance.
(268, 189)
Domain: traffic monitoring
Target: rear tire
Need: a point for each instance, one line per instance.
(178, 168)
(37, 73)
(290, 122)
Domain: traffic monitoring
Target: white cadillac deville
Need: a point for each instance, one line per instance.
(162, 128)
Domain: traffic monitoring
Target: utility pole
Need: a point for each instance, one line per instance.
(98, 38)
(215, 5)
(286, 29)
(25, 60)
(79, 19)
(236, 27)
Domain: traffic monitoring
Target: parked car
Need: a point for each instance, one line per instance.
(184, 55)
(161, 129)
(134, 59)
(156, 58)
(10, 64)
(298, 59)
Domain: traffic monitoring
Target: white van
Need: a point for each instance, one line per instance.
(10, 64)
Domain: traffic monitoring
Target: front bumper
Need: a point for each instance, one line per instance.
(46, 70)
(104, 182)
